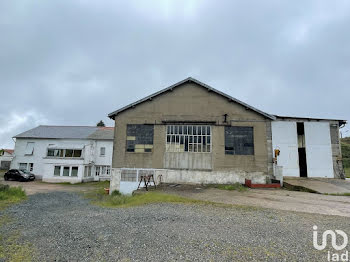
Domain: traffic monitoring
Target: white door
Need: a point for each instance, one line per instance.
(284, 138)
(318, 149)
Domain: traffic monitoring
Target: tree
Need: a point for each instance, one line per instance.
(100, 123)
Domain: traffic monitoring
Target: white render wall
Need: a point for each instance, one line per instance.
(44, 166)
(6, 157)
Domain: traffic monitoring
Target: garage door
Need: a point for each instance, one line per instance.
(318, 150)
(284, 137)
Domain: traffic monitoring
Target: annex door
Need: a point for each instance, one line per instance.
(284, 138)
(318, 149)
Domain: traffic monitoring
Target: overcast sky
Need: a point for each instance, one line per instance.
(65, 62)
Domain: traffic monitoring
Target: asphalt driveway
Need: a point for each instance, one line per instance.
(64, 227)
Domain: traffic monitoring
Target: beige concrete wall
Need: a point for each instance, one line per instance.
(191, 102)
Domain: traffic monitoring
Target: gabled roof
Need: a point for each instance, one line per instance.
(69, 132)
(9, 151)
(189, 79)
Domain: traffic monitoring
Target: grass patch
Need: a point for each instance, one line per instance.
(11, 195)
(237, 186)
(11, 247)
(347, 172)
(12, 250)
(338, 194)
(117, 200)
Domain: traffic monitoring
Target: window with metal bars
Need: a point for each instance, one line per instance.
(188, 138)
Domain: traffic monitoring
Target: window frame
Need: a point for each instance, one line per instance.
(193, 137)
(131, 141)
(70, 170)
(29, 151)
(232, 151)
(61, 153)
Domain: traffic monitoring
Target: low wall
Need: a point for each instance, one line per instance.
(208, 177)
(61, 180)
(185, 177)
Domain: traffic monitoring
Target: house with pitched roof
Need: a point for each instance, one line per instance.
(190, 132)
(65, 153)
(6, 156)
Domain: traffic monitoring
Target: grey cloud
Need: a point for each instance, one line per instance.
(73, 62)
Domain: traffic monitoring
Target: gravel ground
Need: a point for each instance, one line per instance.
(64, 227)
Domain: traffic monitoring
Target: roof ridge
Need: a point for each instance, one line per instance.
(112, 115)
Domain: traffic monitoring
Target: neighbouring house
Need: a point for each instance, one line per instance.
(65, 153)
(192, 133)
(6, 156)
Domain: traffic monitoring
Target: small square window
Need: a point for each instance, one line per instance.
(69, 153)
(77, 153)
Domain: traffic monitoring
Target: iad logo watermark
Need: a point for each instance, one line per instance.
(341, 256)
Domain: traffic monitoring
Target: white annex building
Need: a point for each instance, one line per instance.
(6, 156)
(65, 153)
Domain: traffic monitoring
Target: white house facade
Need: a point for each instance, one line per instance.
(6, 156)
(65, 153)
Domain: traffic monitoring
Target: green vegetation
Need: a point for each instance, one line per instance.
(11, 248)
(338, 194)
(345, 148)
(10, 195)
(100, 198)
(237, 186)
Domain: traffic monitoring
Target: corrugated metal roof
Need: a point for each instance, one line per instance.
(189, 79)
(341, 121)
(69, 132)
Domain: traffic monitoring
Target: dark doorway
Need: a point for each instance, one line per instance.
(301, 150)
(302, 162)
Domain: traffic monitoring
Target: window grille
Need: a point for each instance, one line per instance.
(188, 138)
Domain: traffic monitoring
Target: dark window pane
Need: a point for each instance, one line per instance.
(50, 152)
(66, 171)
(139, 135)
(69, 153)
(74, 171)
(77, 153)
(239, 140)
